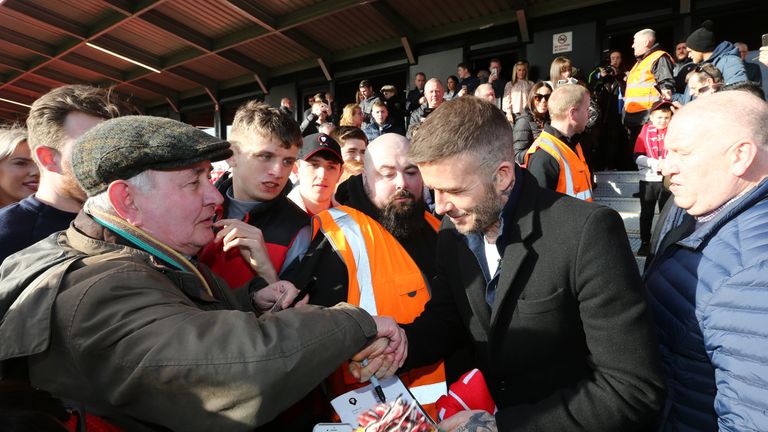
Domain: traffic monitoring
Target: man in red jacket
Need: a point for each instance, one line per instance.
(265, 145)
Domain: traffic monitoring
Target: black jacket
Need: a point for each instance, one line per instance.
(569, 344)
(524, 133)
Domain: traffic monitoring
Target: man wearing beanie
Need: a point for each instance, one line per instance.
(115, 315)
(703, 48)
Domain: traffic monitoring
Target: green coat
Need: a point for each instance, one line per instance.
(143, 345)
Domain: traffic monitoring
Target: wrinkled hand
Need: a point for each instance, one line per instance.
(422, 100)
(249, 240)
(277, 296)
(469, 421)
(379, 364)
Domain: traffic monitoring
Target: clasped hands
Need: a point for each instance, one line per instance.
(385, 355)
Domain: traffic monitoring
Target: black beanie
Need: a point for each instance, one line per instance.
(703, 38)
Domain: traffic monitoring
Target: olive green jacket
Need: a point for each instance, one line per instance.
(143, 345)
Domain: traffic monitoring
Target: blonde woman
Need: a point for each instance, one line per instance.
(19, 176)
(352, 115)
(516, 91)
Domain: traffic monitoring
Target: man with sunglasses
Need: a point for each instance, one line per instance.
(705, 79)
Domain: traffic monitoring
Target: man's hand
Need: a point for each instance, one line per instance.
(763, 56)
(385, 355)
(469, 421)
(422, 100)
(277, 296)
(250, 241)
(666, 94)
(379, 364)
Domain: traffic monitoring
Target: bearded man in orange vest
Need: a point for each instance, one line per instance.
(555, 159)
(377, 250)
(650, 80)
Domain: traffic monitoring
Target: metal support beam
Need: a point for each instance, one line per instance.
(408, 50)
(174, 103)
(214, 95)
(219, 128)
(177, 29)
(522, 23)
(324, 67)
(29, 43)
(685, 7)
(47, 19)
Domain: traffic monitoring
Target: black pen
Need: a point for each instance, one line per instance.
(376, 386)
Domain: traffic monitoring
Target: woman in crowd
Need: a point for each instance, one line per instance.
(453, 88)
(19, 175)
(517, 91)
(530, 123)
(352, 115)
(560, 70)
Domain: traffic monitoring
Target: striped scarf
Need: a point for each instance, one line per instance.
(144, 241)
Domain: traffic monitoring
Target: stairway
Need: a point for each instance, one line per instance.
(615, 189)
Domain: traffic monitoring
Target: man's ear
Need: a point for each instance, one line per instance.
(235, 147)
(295, 168)
(741, 157)
(504, 177)
(48, 158)
(123, 199)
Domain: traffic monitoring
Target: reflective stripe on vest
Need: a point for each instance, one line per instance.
(354, 237)
(375, 259)
(641, 91)
(565, 184)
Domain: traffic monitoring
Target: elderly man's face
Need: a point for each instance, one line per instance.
(178, 210)
(640, 45)
(697, 167)
(434, 93)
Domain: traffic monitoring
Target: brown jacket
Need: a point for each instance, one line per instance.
(142, 345)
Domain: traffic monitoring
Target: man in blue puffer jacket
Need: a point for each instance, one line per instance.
(703, 48)
(708, 283)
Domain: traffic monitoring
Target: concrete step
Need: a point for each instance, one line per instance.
(617, 176)
(621, 205)
(614, 189)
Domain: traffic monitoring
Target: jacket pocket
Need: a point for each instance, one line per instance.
(538, 306)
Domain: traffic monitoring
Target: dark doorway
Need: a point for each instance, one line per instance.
(481, 61)
(346, 88)
(622, 40)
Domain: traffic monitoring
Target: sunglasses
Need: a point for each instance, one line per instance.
(538, 97)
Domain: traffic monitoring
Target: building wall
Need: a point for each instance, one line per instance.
(585, 54)
(437, 65)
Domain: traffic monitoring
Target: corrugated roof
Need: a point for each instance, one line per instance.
(209, 43)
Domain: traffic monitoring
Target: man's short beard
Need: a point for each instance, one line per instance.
(70, 188)
(486, 212)
(403, 219)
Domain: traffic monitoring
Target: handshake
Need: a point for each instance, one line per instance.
(385, 355)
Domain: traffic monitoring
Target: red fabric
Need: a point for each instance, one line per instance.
(230, 265)
(92, 424)
(470, 392)
(650, 142)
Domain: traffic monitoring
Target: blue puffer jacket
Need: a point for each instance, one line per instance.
(709, 296)
(726, 58)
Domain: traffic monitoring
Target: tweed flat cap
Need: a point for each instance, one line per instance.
(123, 147)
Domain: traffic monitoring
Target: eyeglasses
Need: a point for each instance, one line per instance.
(538, 97)
(705, 89)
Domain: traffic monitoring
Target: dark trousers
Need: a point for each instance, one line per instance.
(650, 194)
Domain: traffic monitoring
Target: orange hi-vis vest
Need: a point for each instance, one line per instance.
(575, 179)
(383, 280)
(641, 91)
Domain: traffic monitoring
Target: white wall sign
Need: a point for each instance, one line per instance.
(562, 42)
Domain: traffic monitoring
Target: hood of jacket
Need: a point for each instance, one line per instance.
(723, 49)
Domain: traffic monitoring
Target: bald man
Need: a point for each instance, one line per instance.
(485, 91)
(709, 281)
(377, 249)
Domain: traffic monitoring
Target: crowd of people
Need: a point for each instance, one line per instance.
(419, 239)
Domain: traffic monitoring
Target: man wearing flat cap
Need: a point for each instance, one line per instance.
(115, 314)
